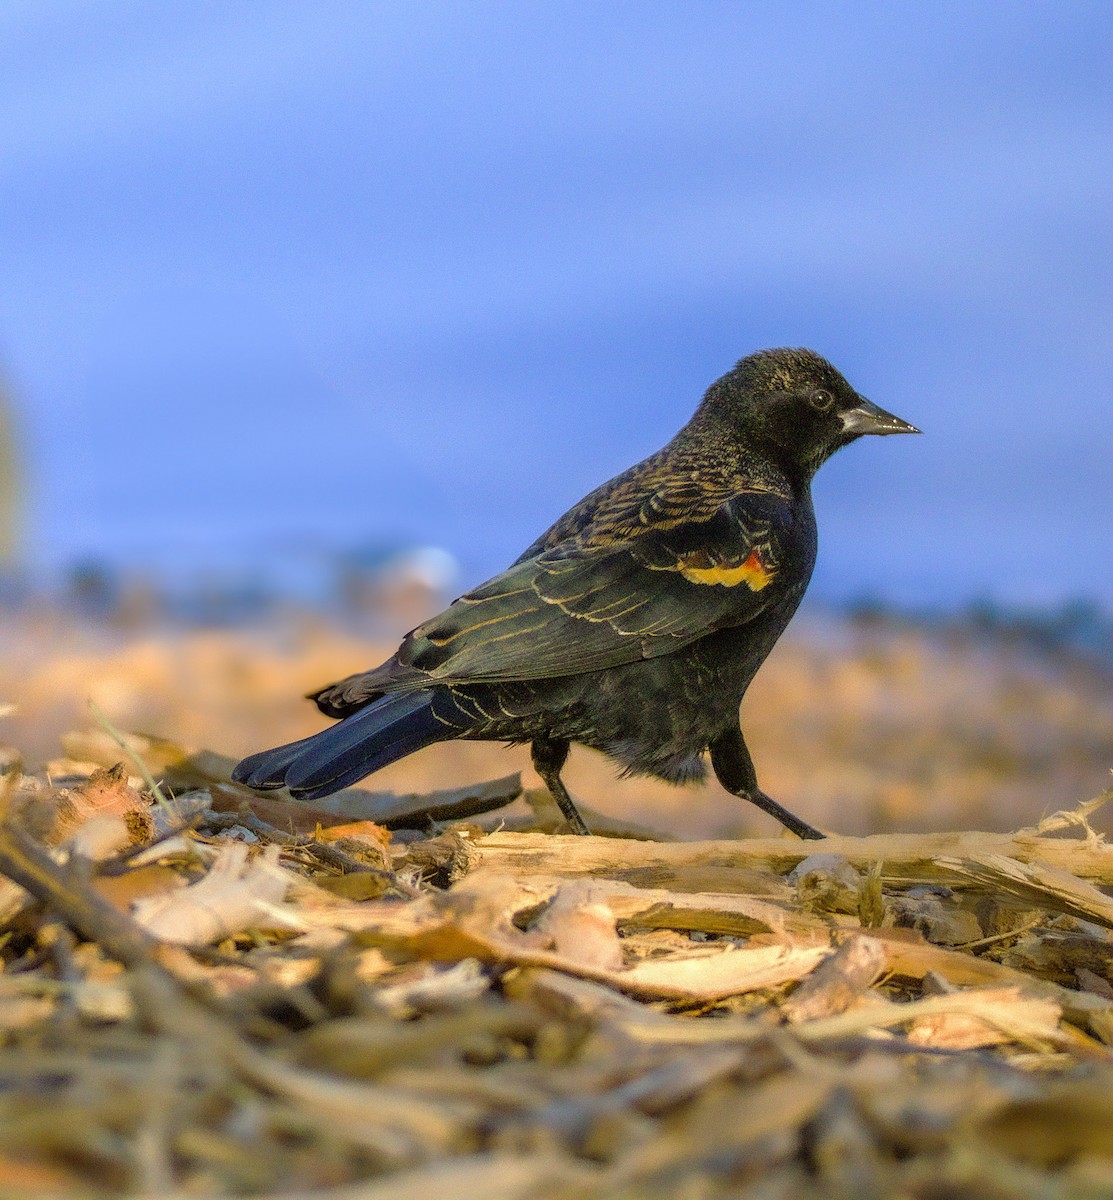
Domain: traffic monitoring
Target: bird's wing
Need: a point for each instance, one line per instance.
(642, 500)
(601, 599)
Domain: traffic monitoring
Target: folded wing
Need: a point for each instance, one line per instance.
(595, 602)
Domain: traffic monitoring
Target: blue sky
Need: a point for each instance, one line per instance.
(431, 271)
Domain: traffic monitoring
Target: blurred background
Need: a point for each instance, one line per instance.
(313, 315)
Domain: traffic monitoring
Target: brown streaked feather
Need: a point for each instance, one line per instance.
(675, 487)
(583, 607)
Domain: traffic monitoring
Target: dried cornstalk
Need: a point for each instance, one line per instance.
(234, 895)
(1036, 885)
(911, 858)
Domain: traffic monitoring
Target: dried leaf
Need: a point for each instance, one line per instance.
(235, 894)
(582, 926)
(838, 981)
(357, 831)
(102, 815)
(140, 883)
(716, 974)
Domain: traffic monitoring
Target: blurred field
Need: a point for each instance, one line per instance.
(860, 726)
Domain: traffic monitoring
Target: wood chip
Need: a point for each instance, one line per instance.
(551, 1018)
(838, 981)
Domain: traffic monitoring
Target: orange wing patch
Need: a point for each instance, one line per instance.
(753, 572)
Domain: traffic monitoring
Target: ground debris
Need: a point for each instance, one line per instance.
(232, 1001)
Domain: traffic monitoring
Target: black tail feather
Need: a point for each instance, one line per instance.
(335, 758)
(267, 769)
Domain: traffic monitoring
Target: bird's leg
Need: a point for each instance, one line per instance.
(730, 759)
(549, 755)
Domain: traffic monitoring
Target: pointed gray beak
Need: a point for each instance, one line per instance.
(868, 418)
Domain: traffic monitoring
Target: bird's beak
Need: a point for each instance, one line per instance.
(868, 418)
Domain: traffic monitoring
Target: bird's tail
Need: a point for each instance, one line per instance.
(335, 758)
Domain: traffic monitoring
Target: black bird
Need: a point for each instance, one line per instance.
(634, 624)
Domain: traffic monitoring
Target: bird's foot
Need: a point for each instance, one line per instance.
(548, 758)
(788, 819)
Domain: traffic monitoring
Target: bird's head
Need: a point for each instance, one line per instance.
(795, 407)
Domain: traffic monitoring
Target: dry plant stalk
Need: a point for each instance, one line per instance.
(910, 858)
(550, 1017)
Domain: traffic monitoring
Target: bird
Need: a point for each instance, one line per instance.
(634, 624)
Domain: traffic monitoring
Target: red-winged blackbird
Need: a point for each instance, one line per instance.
(635, 624)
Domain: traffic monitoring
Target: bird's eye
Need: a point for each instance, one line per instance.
(821, 399)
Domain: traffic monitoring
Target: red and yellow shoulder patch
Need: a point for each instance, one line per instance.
(753, 572)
